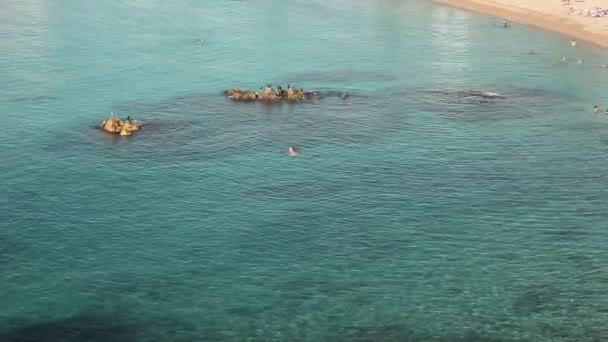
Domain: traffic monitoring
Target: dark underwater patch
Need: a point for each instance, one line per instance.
(486, 103)
(344, 95)
(299, 289)
(82, 328)
(245, 310)
(153, 288)
(208, 127)
(400, 333)
(467, 96)
(535, 299)
(169, 329)
(11, 249)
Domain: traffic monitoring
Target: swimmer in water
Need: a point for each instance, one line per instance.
(580, 61)
(292, 151)
(596, 109)
(574, 43)
(504, 23)
(200, 41)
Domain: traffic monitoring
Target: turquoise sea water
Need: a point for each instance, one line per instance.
(417, 210)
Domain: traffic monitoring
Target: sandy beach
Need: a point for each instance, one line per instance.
(569, 18)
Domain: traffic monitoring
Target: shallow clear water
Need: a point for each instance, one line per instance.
(417, 210)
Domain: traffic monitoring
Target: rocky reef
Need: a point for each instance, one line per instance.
(115, 125)
(268, 94)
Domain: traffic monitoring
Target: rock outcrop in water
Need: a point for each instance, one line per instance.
(122, 127)
(268, 94)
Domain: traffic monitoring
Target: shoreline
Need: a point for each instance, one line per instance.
(545, 14)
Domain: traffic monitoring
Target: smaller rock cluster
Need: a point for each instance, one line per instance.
(267, 94)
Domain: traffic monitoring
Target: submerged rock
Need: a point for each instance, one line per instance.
(122, 127)
(267, 94)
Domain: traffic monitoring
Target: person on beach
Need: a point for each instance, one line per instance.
(596, 109)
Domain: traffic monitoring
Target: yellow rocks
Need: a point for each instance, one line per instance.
(116, 126)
